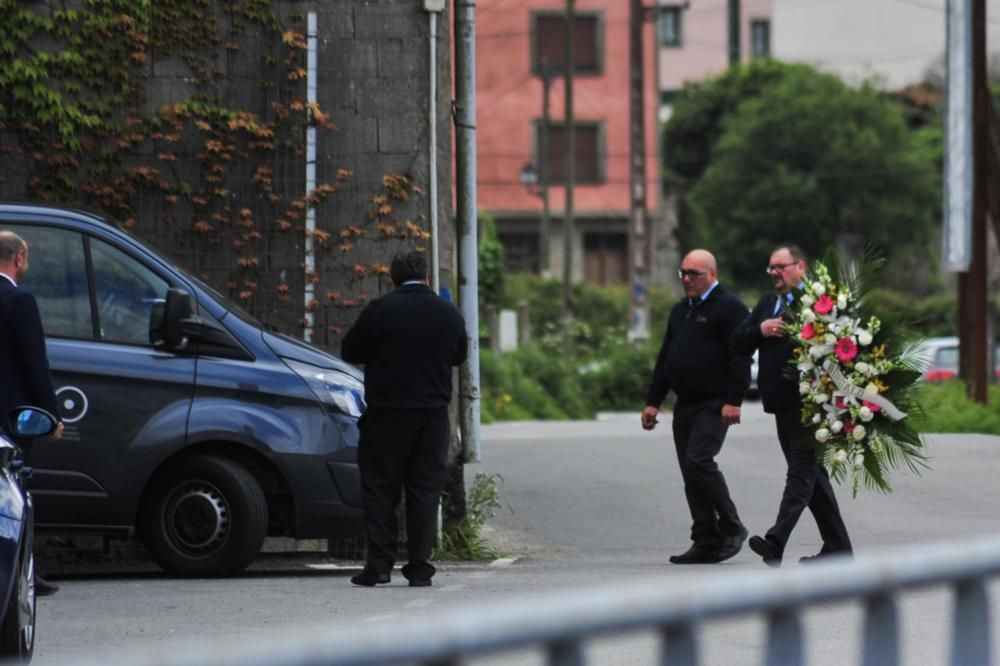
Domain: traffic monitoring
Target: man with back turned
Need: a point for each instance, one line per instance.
(697, 363)
(408, 341)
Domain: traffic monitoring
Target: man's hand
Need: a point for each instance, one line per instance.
(649, 417)
(58, 432)
(730, 414)
(773, 328)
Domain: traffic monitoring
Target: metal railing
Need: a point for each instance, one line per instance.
(561, 623)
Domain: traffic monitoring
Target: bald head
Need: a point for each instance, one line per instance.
(698, 272)
(701, 260)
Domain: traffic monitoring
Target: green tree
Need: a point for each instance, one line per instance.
(789, 153)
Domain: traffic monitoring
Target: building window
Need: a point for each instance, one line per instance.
(520, 251)
(548, 42)
(588, 150)
(760, 38)
(604, 258)
(671, 34)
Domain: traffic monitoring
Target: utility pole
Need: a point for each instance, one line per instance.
(973, 284)
(639, 241)
(569, 172)
(734, 32)
(544, 250)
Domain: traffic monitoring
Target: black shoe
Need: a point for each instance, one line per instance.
(420, 582)
(44, 588)
(765, 550)
(732, 545)
(822, 555)
(697, 554)
(369, 578)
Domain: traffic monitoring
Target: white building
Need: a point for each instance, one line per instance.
(898, 42)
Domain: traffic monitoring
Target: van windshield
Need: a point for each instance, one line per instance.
(229, 304)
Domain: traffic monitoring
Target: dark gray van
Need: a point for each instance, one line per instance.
(186, 420)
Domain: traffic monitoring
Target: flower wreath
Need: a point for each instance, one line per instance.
(857, 378)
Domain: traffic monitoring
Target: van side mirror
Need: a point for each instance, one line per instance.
(165, 320)
(31, 422)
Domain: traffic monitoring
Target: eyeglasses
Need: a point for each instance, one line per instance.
(689, 273)
(779, 267)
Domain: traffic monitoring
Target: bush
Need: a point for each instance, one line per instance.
(947, 408)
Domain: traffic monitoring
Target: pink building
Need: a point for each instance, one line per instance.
(693, 39)
(515, 39)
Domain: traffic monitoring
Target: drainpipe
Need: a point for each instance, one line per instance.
(432, 7)
(309, 249)
(468, 269)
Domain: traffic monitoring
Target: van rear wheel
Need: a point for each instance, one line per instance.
(206, 516)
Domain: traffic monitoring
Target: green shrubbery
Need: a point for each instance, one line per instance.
(599, 371)
(947, 408)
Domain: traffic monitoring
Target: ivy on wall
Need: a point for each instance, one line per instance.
(79, 123)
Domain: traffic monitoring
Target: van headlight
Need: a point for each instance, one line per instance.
(332, 387)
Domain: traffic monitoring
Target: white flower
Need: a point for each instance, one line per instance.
(830, 339)
(820, 398)
(807, 300)
(818, 288)
(871, 387)
(840, 456)
(859, 460)
(822, 434)
(803, 387)
(817, 418)
(841, 302)
(808, 315)
(858, 433)
(819, 351)
(865, 414)
(863, 368)
(805, 366)
(837, 426)
(864, 338)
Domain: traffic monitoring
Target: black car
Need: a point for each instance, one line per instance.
(187, 422)
(17, 557)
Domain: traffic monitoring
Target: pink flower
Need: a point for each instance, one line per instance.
(824, 304)
(845, 349)
(848, 425)
(839, 402)
(872, 406)
(808, 331)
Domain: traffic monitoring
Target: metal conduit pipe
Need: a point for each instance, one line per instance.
(468, 268)
(309, 260)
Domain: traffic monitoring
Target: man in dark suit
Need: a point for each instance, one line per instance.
(24, 364)
(697, 362)
(408, 341)
(807, 482)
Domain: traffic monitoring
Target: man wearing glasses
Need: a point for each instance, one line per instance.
(807, 482)
(697, 362)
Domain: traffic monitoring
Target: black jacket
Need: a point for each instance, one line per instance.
(408, 341)
(776, 377)
(24, 364)
(697, 360)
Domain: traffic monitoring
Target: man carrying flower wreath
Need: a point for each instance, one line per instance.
(807, 483)
(697, 362)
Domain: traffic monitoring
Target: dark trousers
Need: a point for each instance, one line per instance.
(698, 436)
(402, 448)
(807, 484)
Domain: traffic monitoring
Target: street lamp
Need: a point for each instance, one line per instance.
(539, 188)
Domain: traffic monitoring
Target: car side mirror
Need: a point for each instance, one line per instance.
(31, 422)
(165, 330)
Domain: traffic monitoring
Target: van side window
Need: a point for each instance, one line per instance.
(58, 279)
(126, 291)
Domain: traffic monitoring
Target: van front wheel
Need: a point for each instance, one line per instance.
(206, 516)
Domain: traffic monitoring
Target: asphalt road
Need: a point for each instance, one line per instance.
(585, 504)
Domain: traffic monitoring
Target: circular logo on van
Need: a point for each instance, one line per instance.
(72, 404)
